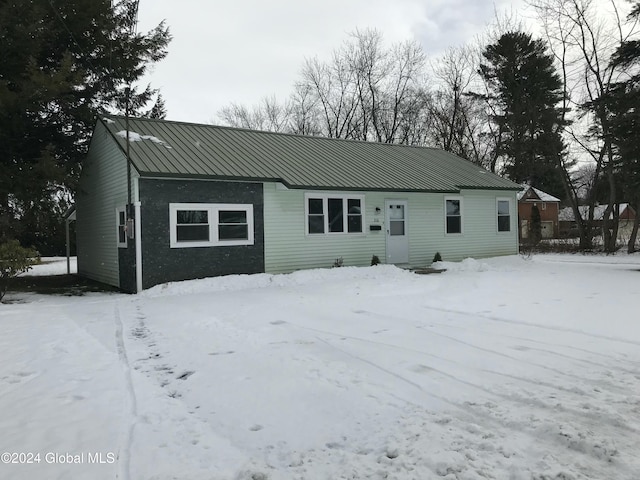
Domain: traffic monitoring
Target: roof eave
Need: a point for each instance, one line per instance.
(122, 149)
(184, 176)
(496, 187)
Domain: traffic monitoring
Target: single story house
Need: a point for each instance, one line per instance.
(626, 218)
(162, 201)
(548, 206)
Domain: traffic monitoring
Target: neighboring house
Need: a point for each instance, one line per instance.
(548, 206)
(568, 226)
(207, 200)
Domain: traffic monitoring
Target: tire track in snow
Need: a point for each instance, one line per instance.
(513, 398)
(124, 455)
(597, 431)
(533, 325)
(387, 317)
(469, 413)
(510, 357)
(617, 360)
(477, 347)
(583, 360)
(448, 360)
(623, 266)
(570, 375)
(394, 375)
(591, 447)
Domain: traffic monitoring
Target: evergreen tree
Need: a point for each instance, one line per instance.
(525, 91)
(61, 64)
(535, 227)
(159, 110)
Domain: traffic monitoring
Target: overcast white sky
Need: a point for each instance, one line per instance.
(242, 50)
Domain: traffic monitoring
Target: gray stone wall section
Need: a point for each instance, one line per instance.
(161, 263)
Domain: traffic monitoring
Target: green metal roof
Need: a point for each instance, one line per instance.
(175, 149)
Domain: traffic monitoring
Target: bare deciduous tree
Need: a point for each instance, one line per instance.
(583, 36)
(331, 87)
(388, 85)
(267, 115)
(303, 112)
(367, 91)
(460, 119)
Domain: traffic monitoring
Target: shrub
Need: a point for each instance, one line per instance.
(338, 262)
(437, 258)
(375, 260)
(14, 260)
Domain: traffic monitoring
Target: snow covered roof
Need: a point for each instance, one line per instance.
(566, 213)
(542, 196)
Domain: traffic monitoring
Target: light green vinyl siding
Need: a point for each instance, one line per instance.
(480, 236)
(288, 248)
(102, 189)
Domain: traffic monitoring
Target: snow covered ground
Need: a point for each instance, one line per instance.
(53, 266)
(503, 368)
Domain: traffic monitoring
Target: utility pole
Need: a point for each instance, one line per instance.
(133, 30)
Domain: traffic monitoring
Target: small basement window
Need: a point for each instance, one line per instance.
(210, 224)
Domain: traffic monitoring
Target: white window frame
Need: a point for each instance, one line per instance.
(461, 199)
(213, 210)
(345, 197)
(120, 210)
(508, 200)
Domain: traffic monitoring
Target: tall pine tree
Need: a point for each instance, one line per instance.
(61, 64)
(525, 92)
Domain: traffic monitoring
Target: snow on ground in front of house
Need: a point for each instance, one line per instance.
(53, 266)
(501, 368)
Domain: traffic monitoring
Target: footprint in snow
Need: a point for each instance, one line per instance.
(421, 369)
(185, 375)
(17, 377)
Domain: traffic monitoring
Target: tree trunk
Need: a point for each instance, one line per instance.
(631, 247)
(609, 218)
(5, 218)
(585, 230)
(614, 227)
(608, 242)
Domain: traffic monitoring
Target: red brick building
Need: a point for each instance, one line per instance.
(548, 206)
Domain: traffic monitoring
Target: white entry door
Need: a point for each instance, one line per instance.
(397, 231)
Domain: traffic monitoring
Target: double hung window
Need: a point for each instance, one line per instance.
(503, 212)
(121, 222)
(453, 215)
(210, 224)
